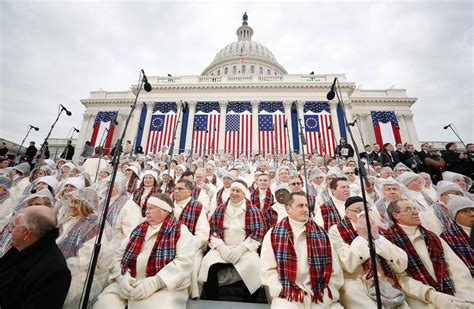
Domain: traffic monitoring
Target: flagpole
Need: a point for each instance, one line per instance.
(195, 127)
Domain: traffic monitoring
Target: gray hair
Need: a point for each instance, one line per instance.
(38, 223)
(394, 207)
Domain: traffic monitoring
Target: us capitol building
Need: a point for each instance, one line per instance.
(245, 74)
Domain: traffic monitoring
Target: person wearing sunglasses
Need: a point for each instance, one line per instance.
(435, 275)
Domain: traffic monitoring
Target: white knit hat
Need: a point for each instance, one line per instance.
(50, 181)
(457, 203)
(134, 169)
(87, 195)
(23, 168)
(182, 167)
(408, 177)
(77, 182)
(316, 172)
(167, 172)
(151, 173)
(451, 176)
(444, 186)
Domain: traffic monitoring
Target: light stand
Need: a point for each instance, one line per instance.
(213, 151)
(195, 128)
(45, 143)
(204, 148)
(142, 81)
(336, 90)
(303, 144)
(275, 163)
(456, 133)
(27, 133)
(330, 127)
(288, 138)
(182, 109)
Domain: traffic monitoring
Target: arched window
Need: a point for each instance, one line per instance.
(218, 72)
(252, 69)
(226, 71)
(268, 72)
(243, 69)
(234, 69)
(260, 71)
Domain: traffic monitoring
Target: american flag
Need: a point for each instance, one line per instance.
(206, 127)
(386, 127)
(163, 121)
(271, 128)
(104, 121)
(318, 128)
(238, 128)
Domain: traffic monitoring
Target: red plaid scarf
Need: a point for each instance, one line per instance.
(213, 180)
(163, 252)
(169, 190)
(190, 215)
(416, 269)
(137, 197)
(330, 214)
(84, 230)
(348, 234)
(219, 199)
(195, 193)
(319, 260)
(254, 222)
(132, 184)
(269, 214)
(458, 240)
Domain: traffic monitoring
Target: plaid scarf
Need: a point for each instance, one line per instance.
(319, 260)
(84, 230)
(5, 196)
(115, 208)
(169, 190)
(348, 234)
(442, 214)
(416, 269)
(330, 214)
(254, 222)
(269, 214)
(213, 180)
(458, 240)
(137, 197)
(219, 199)
(195, 193)
(190, 215)
(163, 252)
(132, 184)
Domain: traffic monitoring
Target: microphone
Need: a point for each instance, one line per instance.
(66, 110)
(445, 127)
(332, 93)
(33, 127)
(330, 126)
(353, 122)
(146, 85)
(75, 129)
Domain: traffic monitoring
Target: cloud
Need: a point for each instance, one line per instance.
(57, 52)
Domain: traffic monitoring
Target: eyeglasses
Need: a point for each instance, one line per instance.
(296, 184)
(409, 210)
(357, 211)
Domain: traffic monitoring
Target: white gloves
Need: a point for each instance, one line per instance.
(144, 288)
(125, 285)
(445, 301)
(236, 253)
(224, 251)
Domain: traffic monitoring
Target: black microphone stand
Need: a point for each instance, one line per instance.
(182, 108)
(288, 138)
(204, 148)
(45, 144)
(195, 127)
(142, 81)
(213, 151)
(462, 142)
(275, 163)
(70, 140)
(363, 181)
(101, 151)
(27, 133)
(303, 144)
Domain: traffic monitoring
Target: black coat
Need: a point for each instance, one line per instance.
(454, 163)
(31, 153)
(37, 277)
(387, 160)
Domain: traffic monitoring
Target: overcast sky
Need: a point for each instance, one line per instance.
(56, 52)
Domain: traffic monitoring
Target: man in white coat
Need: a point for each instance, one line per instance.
(298, 262)
(155, 269)
(435, 276)
(237, 230)
(190, 213)
(350, 239)
(223, 194)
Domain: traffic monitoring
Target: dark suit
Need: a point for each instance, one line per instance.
(36, 277)
(389, 160)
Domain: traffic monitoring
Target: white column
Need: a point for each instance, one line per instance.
(189, 133)
(255, 148)
(81, 140)
(411, 130)
(404, 135)
(287, 106)
(335, 121)
(132, 129)
(300, 112)
(223, 107)
(179, 105)
(146, 129)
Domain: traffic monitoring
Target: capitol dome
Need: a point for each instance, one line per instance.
(244, 57)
